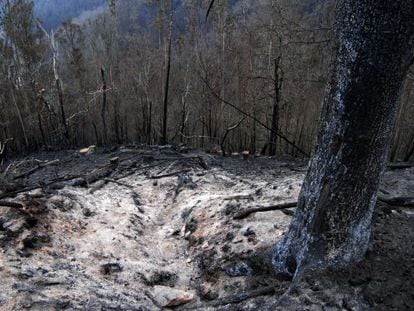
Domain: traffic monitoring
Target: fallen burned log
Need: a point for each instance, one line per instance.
(16, 192)
(237, 298)
(277, 207)
(143, 168)
(101, 173)
(397, 201)
(170, 174)
(36, 168)
(37, 186)
(400, 166)
(119, 183)
(105, 181)
(242, 196)
(268, 290)
(171, 158)
(393, 201)
(10, 204)
(201, 161)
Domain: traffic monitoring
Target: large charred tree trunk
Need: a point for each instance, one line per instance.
(332, 224)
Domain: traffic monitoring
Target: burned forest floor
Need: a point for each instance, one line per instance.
(149, 228)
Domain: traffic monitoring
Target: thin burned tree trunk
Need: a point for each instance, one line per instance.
(164, 138)
(184, 110)
(228, 130)
(410, 152)
(42, 132)
(95, 129)
(103, 108)
(19, 114)
(253, 132)
(332, 224)
(62, 109)
(277, 82)
(149, 124)
(117, 126)
(397, 135)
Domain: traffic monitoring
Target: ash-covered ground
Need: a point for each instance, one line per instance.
(153, 228)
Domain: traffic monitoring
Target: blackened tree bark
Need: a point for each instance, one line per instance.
(332, 224)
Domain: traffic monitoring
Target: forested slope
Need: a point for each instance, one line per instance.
(269, 59)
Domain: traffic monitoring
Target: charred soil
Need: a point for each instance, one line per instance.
(143, 228)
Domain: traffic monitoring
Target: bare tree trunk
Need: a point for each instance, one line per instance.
(410, 152)
(95, 129)
(62, 109)
(277, 83)
(149, 124)
(254, 129)
(397, 135)
(103, 110)
(300, 137)
(42, 132)
(164, 138)
(332, 224)
(184, 110)
(228, 130)
(19, 114)
(117, 118)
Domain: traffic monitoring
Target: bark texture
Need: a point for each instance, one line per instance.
(332, 224)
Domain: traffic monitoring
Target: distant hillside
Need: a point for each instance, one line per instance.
(53, 12)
